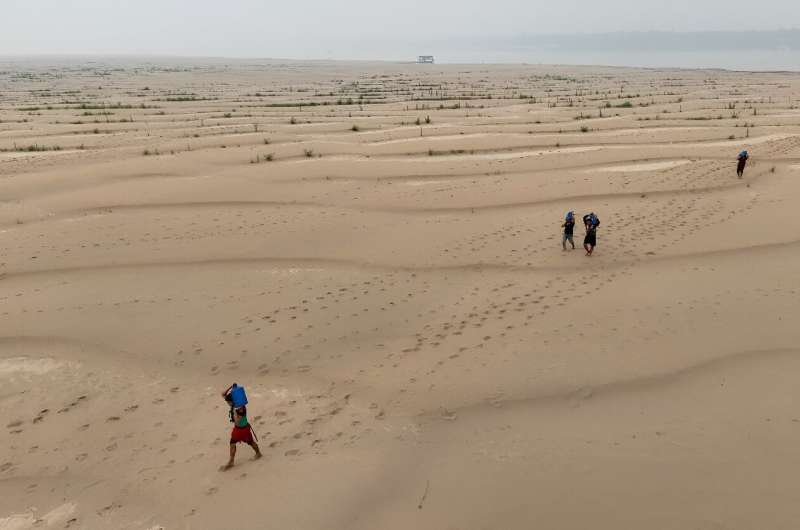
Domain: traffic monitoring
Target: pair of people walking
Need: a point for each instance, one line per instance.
(590, 223)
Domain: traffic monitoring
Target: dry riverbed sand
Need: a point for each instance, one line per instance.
(373, 250)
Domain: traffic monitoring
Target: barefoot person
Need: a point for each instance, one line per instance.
(242, 431)
(569, 227)
(742, 158)
(590, 222)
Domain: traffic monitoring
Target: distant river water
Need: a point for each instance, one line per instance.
(756, 60)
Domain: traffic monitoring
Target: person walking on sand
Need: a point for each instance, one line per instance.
(742, 158)
(590, 223)
(569, 228)
(242, 431)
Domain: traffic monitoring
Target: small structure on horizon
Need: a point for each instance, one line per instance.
(425, 59)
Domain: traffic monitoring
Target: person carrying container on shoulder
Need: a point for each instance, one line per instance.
(742, 158)
(569, 228)
(590, 222)
(242, 432)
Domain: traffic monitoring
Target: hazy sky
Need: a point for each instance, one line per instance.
(346, 28)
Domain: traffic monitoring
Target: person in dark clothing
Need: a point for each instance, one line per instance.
(569, 228)
(590, 240)
(742, 158)
(590, 222)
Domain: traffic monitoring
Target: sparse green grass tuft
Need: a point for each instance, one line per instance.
(259, 158)
(33, 148)
(431, 152)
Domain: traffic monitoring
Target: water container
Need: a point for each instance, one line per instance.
(238, 396)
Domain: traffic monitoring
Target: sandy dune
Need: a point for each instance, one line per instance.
(418, 350)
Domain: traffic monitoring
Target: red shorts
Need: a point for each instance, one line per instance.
(242, 434)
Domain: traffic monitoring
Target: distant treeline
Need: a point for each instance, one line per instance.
(661, 41)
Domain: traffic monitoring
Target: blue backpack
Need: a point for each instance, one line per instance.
(591, 219)
(238, 396)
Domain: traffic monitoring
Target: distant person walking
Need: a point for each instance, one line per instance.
(590, 223)
(242, 431)
(742, 158)
(569, 228)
